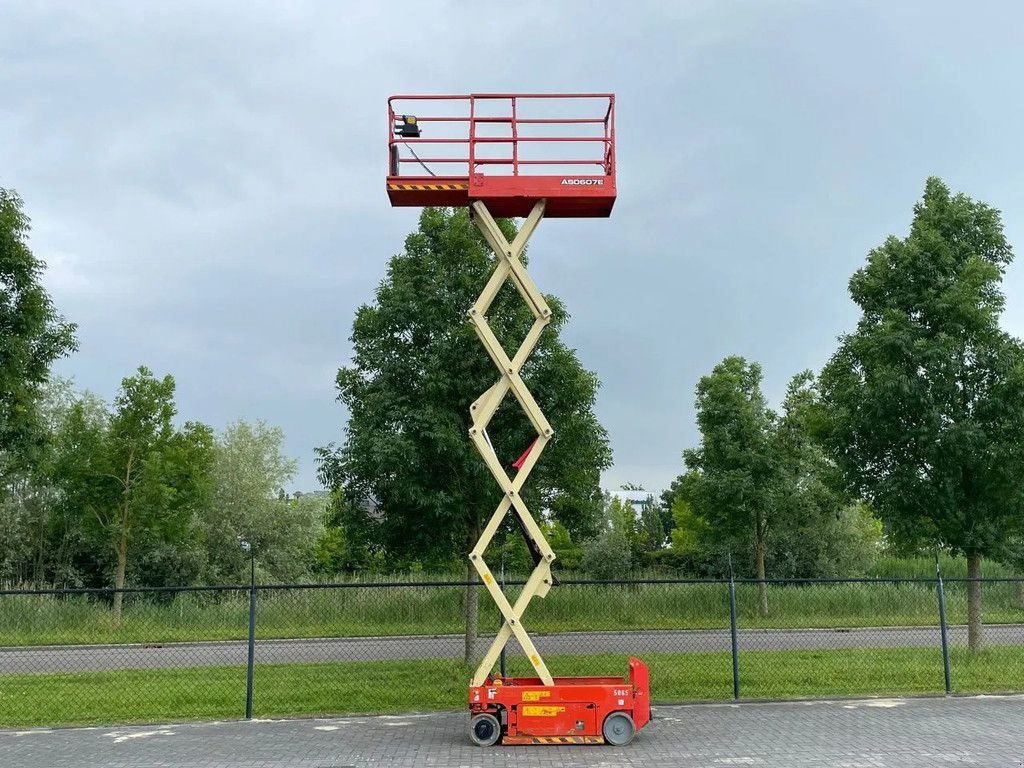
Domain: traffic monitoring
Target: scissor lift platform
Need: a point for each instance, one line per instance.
(508, 151)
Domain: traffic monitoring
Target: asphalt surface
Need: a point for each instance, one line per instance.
(82, 658)
(984, 732)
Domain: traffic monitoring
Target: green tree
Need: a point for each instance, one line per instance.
(332, 552)
(621, 517)
(690, 529)
(130, 473)
(39, 543)
(735, 475)
(607, 555)
(663, 506)
(819, 530)
(924, 399)
(416, 367)
(337, 551)
(32, 336)
(651, 535)
(248, 501)
(698, 550)
(569, 553)
(641, 528)
(811, 527)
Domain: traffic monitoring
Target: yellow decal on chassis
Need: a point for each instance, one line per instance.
(542, 711)
(535, 695)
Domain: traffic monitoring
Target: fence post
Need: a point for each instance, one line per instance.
(252, 642)
(942, 626)
(735, 636)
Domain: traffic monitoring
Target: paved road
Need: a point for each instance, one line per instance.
(881, 733)
(49, 659)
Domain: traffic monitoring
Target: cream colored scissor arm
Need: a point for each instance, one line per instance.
(510, 267)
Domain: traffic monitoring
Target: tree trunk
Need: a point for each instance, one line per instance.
(472, 609)
(122, 566)
(974, 638)
(762, 587)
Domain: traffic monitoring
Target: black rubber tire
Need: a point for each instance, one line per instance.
(618, 729)
(484, 729)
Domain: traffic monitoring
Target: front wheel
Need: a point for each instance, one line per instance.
(618, 729)
(484, 729)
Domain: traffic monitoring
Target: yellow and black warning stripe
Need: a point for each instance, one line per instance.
(428, 187)
(553, 740)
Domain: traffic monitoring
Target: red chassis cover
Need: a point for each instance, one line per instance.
(572, 711)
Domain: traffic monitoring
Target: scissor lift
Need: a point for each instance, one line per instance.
(533, 156)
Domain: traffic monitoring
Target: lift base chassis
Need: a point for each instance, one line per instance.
(575, 710)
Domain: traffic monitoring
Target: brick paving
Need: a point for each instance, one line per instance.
(878, 733)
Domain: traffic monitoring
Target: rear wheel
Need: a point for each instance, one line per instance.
(484, 729)
(618, 729)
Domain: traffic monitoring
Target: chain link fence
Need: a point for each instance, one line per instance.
(239, 651)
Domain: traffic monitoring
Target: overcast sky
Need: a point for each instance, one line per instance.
(206, 181)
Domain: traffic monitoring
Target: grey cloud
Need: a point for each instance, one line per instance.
(206, 180)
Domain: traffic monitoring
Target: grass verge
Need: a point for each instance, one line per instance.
(434, 684)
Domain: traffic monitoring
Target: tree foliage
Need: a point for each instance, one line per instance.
(130, 473)
(639, 523)
(736, 475)
(191, 497)
(568, 552)
(32, 336)
(820, 529)
(417, 366)
(924, 399)
(808, 525)
(249, 475)
(39, 544)
(608, 555)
